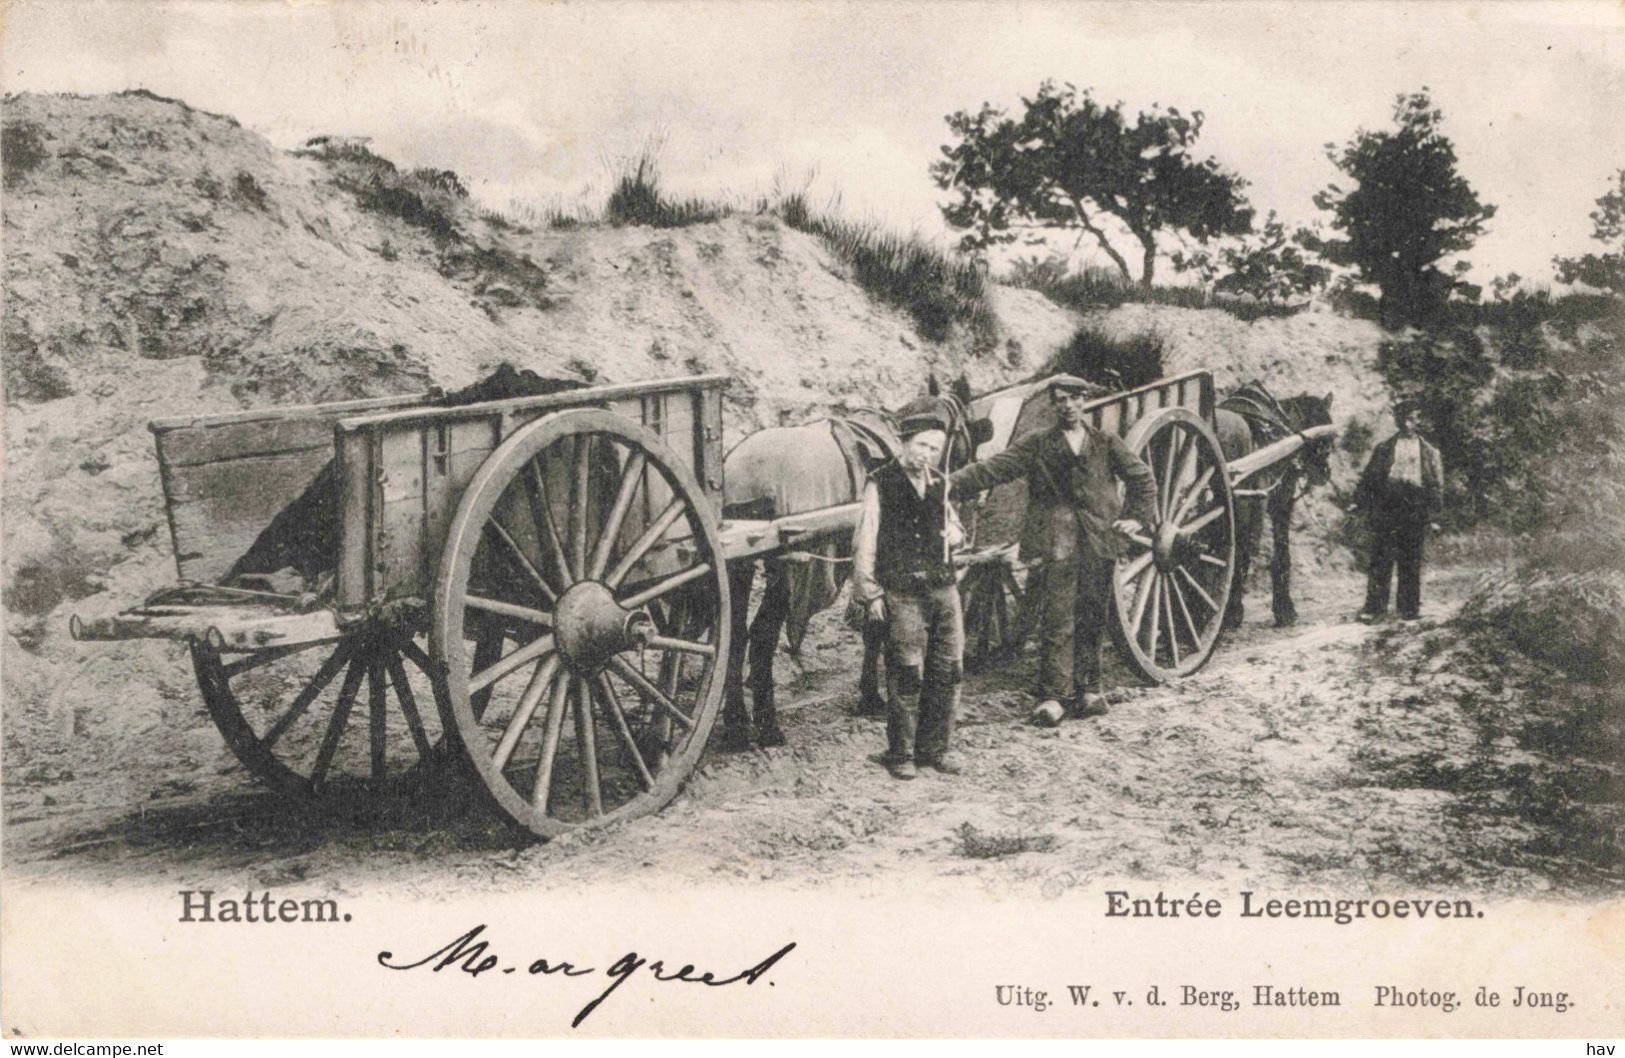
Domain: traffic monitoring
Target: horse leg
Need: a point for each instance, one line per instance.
(1281, 553)
(764, 644)
(871, 701)
(735, 720)
(1248, 528)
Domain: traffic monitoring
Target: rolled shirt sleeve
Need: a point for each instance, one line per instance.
(864, 586)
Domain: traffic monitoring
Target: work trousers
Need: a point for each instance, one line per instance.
(1396, 542)
(1076, 597)
(925, 646)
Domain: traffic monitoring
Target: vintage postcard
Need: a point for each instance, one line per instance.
(813, 519)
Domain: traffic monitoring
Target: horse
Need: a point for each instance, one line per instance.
(788, 470)
(1246, 420)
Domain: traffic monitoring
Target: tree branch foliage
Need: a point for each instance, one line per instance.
(1408, 209)
(1605, 271)
(1269, 266)
(1070, 161)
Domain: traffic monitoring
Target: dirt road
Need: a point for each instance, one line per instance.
(1331, 755)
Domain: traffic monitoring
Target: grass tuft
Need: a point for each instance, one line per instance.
(936, 289)
(637, 200)
(977, 845)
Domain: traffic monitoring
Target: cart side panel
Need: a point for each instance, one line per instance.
(404, 476)
(225, 477)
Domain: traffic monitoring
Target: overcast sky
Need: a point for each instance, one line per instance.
(537, 102)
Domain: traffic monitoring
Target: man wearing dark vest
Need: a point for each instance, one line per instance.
(1401, 490)
(1073, 524)
(903, 573)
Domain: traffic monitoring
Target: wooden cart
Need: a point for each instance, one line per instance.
(549, 571)
(1173, 584)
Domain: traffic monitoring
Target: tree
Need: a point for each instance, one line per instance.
(1271, 268)
(1605, 271)
(1408, 210)
(1070, 161)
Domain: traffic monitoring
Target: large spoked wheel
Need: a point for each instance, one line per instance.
(1173, 584)
(297, 718)
(581, 613)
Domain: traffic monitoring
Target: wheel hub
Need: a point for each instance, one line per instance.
(592, 627)
(1163, 544)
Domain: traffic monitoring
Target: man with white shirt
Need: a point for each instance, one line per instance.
(902, 571)
(1400, 491)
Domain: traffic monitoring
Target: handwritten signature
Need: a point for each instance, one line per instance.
(471, 955)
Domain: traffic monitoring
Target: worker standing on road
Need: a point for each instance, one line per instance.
(1400, 491)
(1075, 524)
(903, 573)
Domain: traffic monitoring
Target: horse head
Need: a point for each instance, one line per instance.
(1302, 413)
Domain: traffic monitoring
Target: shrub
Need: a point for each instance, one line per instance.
(246, 191)
(1095, 287)
(22, 149)
(424, 198)
(1118, 363)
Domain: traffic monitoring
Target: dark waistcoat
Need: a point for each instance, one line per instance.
(908, 549)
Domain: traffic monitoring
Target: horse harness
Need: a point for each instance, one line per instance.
(1265, 417)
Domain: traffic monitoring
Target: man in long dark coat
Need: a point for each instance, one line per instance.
(1400, 492)
(1075, 524)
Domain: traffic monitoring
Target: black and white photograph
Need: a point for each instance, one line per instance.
(813, 519)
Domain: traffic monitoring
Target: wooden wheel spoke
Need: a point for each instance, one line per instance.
(1168, 613)
(1165, 486)
(409, 705)
(1187, 464)
(252, 661)
(517, 553)
(1156, 600)
(1191, 493)
(587, 749)
(1212, 560)
(1141, 540)
(1202, 521)
(377, 719)
(612, 706)
(649, 691)
(631, 478)
(580, 484)
(338, 722)
(1211, 605)
(644, 542)
(317, 684)
(541, 681)
(550, 745)
(417, 655)
(508, 609)
(509, 663)
(665, 585)
(1136, 567)
(541, 514)
(1185, 610)
(686, 646)
(1141, 598)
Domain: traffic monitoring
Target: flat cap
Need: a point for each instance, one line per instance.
(920, 415)
(1074, 384)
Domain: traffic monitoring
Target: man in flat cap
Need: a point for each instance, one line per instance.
(903, 573)
(1075, 524)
